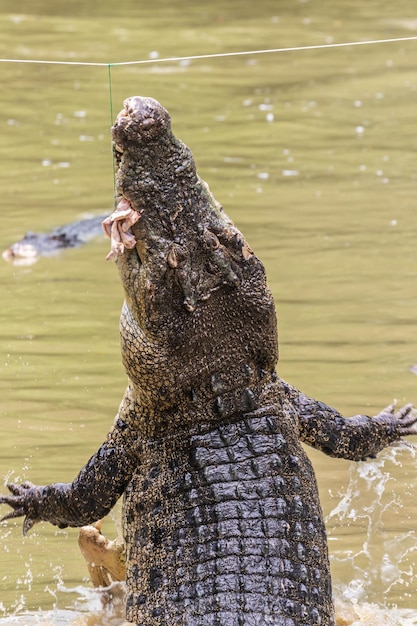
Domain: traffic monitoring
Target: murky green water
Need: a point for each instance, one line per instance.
(313, 155)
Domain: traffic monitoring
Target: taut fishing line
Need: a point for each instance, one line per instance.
(205, 56)
(219, 54)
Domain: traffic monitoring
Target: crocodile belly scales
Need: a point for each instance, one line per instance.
(226, 531)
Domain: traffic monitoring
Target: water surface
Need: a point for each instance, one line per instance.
(312, 154)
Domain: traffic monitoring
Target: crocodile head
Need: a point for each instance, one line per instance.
(197, 306)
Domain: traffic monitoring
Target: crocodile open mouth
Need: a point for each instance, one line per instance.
(141, 121)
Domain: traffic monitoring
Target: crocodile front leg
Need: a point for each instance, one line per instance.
(88, 498)
(356, 438)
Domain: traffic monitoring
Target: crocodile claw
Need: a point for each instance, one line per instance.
(407, 418)
(403, 422)
(20, 503)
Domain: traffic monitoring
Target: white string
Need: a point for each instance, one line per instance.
(42, 61)
(216, 55)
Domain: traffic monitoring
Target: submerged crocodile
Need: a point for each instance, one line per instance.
(32, 246)
(222, 519)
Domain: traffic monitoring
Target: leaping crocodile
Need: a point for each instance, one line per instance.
(222, 519)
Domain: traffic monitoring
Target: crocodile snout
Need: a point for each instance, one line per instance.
(142, 119)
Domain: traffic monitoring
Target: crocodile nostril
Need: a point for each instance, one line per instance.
(148, 122)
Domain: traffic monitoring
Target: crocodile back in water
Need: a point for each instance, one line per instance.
(33, 245)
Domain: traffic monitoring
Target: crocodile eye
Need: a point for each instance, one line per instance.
(211, 240)
(176, 257)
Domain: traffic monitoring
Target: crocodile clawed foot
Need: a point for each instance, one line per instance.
(105, 558)
(407, 420)
(23, 502)
(402, 422)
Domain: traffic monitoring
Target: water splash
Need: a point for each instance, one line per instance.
(365, 614)
(380, 558)
(85, 607)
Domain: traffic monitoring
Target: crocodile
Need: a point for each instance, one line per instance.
(32, 246)
(221, 515)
